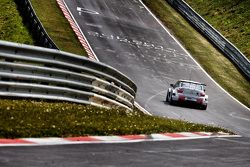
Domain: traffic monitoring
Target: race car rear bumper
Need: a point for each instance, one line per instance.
(191, 100)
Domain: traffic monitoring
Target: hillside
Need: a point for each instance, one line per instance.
(11, 26)
(57, 26)
(230, 17)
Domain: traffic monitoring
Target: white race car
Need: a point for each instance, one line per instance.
(185, 91)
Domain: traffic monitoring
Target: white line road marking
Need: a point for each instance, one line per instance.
(137, 105)
(83, 10)
(178, 116)
(152, 97)
(235, 116)
(93, 25)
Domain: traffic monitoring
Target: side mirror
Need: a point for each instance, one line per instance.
(172, 85)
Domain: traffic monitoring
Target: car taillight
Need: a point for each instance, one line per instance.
(180, 90)
(202, 94)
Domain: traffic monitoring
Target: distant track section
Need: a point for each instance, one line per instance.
(34, 72)
(125, 35)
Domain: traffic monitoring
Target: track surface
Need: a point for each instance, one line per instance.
(219, 152)
(123, 34)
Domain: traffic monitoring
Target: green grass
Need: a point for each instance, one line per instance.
(216, 64)
(27, 118)
(230, 17)
(57, 26)
(11, 25)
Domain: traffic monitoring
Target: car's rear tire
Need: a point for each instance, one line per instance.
(204, 107)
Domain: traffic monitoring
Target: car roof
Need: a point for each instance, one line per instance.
(191, 81)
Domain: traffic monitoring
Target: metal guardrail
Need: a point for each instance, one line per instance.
(35, 72)
(36, 27)
(213, 35)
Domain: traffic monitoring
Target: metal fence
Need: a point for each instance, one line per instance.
(36, 27)
(213, 35)
(35, 72)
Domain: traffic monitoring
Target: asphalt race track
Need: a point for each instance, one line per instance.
(219, 152)
(123, 34)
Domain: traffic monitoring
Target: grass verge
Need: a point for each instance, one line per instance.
(11, 25)
(27, 118)
(230, 17)
(57, 26)
(216, 64)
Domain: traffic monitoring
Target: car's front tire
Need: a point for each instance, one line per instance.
(167, 99)
(171, 100)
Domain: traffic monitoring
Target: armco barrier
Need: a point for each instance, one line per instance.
(36, 26)
(34, 72)
(213, 35)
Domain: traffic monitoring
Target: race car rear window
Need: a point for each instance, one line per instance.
(191, 85)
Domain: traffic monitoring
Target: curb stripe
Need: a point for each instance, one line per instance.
(15, 141)
(201, 134)
(174, 135)
(134, 137)
(45, 141)
(84, 138)
(75, 28)
(111, 139)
